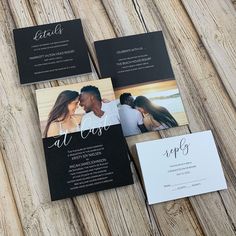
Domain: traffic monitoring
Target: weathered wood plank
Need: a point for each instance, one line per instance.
(191, 225)
(127, 200)
(9, 218)
(195, 73)
(84, 205)
(89, 14)
(234, 3)
(174, 211)
(217, 113)
(25, 160)
(43, 13)
(215, 22)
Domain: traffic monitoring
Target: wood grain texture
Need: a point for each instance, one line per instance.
(180, 37)
(43, 13)
(127, 200)
(41, 17)
(132, 26)
(234, 3)
(214, 100)
(180, 26)
(200, 38)
(174, 217)
(215, 22)
(9, 218)
(22, 147)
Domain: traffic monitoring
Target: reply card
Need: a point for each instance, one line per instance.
(51, 51)
(145, 87)
(84, 146)
(180, 166)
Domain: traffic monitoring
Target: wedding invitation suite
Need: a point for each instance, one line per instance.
(84, 146)
(51, 51)
(145, 88)
(180, 166)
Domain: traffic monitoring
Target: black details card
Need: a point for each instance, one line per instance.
(51, 51)
(134, 59)
(84, 147)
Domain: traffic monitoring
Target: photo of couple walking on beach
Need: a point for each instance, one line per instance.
(79, 107)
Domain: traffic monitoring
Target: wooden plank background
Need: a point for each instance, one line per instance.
(201, 41)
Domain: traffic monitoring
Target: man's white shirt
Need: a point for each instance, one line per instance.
(130, 119)
(110, 117)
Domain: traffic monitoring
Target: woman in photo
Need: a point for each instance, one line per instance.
(61, 118)
(154, 117)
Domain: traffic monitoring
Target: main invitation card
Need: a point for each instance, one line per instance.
(180, 166)
(51, 51)
(84, 146)
(145, 88)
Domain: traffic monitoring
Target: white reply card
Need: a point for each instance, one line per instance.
(180, 166)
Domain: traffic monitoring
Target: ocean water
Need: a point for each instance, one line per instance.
(172, 104)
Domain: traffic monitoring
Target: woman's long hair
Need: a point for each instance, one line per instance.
(160, 114)
(60, 108)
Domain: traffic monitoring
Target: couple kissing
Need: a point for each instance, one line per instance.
(98, 112)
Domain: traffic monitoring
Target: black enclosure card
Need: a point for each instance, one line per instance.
(87, 165)
(51, 51)
(83, 142)
(134, 59)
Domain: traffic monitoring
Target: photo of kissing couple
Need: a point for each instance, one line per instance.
(150, 107)
(79, 107)
(140, 115)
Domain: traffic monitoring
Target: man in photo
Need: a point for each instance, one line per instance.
(131, 119)
(97, 113)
